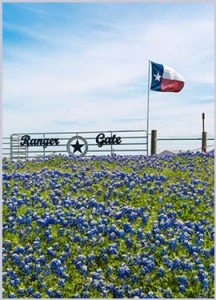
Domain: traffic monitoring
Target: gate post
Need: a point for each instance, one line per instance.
(153, 142)
(11, 147)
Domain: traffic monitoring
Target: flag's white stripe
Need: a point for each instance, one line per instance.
(170, 73)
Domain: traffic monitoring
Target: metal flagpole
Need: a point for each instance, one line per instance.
(148, 108)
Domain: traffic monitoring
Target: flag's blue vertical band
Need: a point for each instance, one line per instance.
(157, 69)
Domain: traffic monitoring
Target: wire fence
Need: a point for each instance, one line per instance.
(182, 144)
(133, 142)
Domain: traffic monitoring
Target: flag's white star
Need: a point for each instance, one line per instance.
(157, 77)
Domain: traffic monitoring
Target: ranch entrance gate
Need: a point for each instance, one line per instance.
(123, 142)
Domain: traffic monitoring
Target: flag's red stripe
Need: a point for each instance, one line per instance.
(168, 85)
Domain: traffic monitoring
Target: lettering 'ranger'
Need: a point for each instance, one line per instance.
(27, 141)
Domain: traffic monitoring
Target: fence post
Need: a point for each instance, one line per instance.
(153, 142)
(204, 141)
(204, 134)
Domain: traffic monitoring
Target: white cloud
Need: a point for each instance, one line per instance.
(58, 84)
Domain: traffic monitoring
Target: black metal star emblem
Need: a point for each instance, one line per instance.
(77, 145)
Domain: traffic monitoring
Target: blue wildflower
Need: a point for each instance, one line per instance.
(50, 293)
(182, 288)
(161, 272)
(123, 271)
(109, 270)
(168, 294)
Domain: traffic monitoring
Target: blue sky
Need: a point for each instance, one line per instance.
(84, 66)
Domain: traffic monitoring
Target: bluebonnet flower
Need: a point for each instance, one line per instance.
(151, 295)
(166, 258)
(183, 280)
(12, 282)
(173, 244)
(30, 290)
(140, 233)
(86, 294)
(127, 228)
(51, 252)
(145, 218)
(112, 236)
(12, 274)
(164, 251)
(12, 295)
(5, 258)
(168, 294)
(42, 285)
(37, 243)
(7, 244)
(129, 242)
(145, 189)
(205, 284)
(21, 292)
(123, 271)
(212, 251)
(42, 260)
(211, 270)
(135, 278)
(84, 270)
(50, 293)
(144, 271)
(58, 294)
(55, 263)
(37, 295)
(161, 272)
(200, 241)
(61, 282)
(38, 268)
(4, 276)
(67, 247)
(47, 270)
(109, 271)
(56, 246)
(182, 288)
(113, 249)
(119, 293)
(202, 275)
(121, 233)
(160, 199)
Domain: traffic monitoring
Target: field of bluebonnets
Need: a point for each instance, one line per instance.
(109, 227)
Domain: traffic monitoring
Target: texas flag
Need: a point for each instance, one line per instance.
(165, 79)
